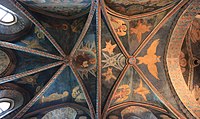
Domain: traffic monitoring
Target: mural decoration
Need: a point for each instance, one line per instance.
(151, 59)
(109, 75)
(119, 26)
(184, 38)
(137, 112)
(122, 93)
(189, 59)
(78, 95)
(68, 30)
(7, 62)
(194, 32)
(39, 33)
(77, 24)
(139, 30)
(68, 111)
(133, 88)
(54, 97)
(58, 7)
(109, 48)
(31, 80)
(85, 59)
(4, 62)
(115, 61)
(77, 63)
(34, 44)
(41, 68)
(142, 90)
(62, 113)
(111, 60)
(135, 30)
(183, 62)
(134, 7)
(36, 40)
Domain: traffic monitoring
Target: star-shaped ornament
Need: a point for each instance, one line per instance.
(109, 47)
(109, 75)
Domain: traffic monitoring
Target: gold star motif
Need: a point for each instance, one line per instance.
(142, 91)
(109, 75)
(139, 30)
(109, 47)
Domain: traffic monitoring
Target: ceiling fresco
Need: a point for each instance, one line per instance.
(99, 59)
(133, 7)
(62, 8)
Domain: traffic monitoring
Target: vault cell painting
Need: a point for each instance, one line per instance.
(133, 31)
(59, 7)
(137, 112)
(133, 7)
(112, 61)
(107, 59)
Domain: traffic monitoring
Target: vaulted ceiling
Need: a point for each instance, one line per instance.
(107, 59)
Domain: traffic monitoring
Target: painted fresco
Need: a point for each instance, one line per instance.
(36, 40)
(35, 82)
(70, 92)
(68, 30)
(5, 61)
(154, 67)
(138, 59)
(59, 7)
(61, 113)
(132, 33)
(85, 58)
(113, 61)
(37, 57)
(186, 89)
(138, 112)
(133, 88)
(26, 61)
(133, 7)
(147, 60)
(70, 111)
(150, 59)
(189, 58)
(85, 61)
(193, 36)
(120, 27)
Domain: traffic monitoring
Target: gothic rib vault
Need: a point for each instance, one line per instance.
(107, 59)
